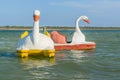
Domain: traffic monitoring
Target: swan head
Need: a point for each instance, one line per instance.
(36, 15)
(85, 18)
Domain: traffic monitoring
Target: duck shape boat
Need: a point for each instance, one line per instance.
(78, 40)
(35, 43)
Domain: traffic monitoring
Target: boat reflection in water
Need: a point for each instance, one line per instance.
(82, 53)
(33, 62)
(63, 64)
(38, 62)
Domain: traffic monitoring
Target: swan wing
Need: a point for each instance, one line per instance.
(44, 43)
(78, 37)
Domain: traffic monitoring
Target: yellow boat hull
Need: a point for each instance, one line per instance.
(26, 53)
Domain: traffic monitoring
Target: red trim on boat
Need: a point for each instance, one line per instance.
(75, 47)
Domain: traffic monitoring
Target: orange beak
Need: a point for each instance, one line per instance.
(87, 21)
(36, 17)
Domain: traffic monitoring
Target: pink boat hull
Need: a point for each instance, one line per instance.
(81, 46)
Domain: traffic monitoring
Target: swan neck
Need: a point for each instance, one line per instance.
(35, 32)
(36, 27)
(77, 26)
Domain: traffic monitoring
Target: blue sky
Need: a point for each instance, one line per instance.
(60, 12)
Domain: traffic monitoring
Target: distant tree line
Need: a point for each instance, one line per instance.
(61, 27)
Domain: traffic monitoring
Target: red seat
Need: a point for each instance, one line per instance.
(58, 37)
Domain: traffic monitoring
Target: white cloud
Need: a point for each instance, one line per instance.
(89, 4)
(69, 4)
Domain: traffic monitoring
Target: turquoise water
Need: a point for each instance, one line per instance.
(102, 63)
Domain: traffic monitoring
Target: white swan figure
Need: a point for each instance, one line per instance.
(78, 36)
(35, 42)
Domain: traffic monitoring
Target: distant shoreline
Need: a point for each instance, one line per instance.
(58, 28)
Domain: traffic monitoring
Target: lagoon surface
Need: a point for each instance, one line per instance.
(102, 63)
